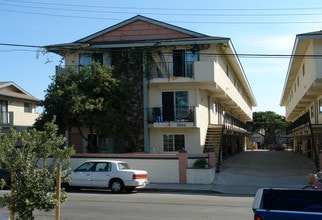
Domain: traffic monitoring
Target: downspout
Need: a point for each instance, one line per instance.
(145, 85)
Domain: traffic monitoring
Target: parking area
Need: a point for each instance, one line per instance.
(248, 171)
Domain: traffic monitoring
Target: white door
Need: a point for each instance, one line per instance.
(101, 174)
(82, 175)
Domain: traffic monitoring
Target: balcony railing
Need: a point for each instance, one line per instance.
(6, 119)
(66, 69)
(179, 114)
(165, 70)
(168, 70)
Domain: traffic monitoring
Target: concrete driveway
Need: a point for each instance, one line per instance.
(248, 171)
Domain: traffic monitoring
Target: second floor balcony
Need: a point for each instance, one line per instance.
(158, 115)
(168, 70)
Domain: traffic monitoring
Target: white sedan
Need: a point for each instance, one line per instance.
(115, 175)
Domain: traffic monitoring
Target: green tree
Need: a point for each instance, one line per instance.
(89, 100)
(31, 156)
(271, 122)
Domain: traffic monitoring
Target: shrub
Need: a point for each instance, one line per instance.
(201, 163)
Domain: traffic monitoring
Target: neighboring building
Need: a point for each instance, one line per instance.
(258, 139)
(302, 95)
(17, 107)
(195, 97)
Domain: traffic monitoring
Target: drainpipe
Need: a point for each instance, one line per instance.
(145, 83)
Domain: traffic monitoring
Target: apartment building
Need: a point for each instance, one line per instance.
(195, 97)
(302, 95)
(17, 107)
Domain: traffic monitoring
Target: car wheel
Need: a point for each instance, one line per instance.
(130, 188)
(116, 186)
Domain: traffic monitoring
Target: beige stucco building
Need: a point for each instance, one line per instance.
(17, 107)
(196, 96)
(302, 95)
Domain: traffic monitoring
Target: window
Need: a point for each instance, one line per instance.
(298, 81)
(303, 69)
(175, 105)
(320, 106)
(123, 166)
(183, 62)
(85, 59)
(28, 107)
(173, 142)
(103, 166)
(86, 167)
(4, 112)
(312, 111)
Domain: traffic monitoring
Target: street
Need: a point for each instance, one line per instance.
(150, 205)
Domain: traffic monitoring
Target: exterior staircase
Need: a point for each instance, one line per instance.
(213, 141)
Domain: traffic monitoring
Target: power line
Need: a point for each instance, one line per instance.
(249, 55)
(162, 11)
(176, 14)
(190, 22)
(171, 9)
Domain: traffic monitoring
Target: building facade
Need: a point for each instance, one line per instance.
(196, 96)
(17, 107)
(302, 95)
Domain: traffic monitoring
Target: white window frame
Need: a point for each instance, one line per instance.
(173, 141)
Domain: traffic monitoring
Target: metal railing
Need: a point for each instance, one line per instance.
(303, 122)
(66, 69)
(178, 114)
(231, 123)
(168, 70)
(6, 119)
(165, 70)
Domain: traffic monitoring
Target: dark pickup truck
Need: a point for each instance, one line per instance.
(292, 204)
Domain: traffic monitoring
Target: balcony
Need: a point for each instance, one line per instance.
(66, 69)
(6, 119)
(170, 70)
(171, 117)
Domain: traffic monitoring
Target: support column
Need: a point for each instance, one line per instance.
(183, 164)
(212, 159)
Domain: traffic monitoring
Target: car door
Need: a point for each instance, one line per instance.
(82, 175)
(101, 174)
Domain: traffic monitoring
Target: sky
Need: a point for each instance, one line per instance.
(260, 32)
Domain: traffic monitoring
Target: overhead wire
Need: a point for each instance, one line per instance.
(247, 55)
(160, 11)
(163, 13)
(164, 8)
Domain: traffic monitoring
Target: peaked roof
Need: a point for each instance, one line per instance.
(139, 31)
(12, 90)
(177, 31)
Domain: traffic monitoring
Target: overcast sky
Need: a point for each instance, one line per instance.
(257, 29)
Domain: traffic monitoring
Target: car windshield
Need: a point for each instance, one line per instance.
(123, 166)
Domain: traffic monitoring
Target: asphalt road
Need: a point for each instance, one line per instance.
(99, 205)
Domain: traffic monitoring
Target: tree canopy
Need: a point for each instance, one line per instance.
(100, 101)
(271, 122)
(26, 155)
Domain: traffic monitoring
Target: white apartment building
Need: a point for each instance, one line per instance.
(302, 95)
(196, 96)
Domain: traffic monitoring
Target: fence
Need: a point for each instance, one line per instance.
(163, 168)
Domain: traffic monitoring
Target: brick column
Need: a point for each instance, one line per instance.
(212, 159)
(183, 164)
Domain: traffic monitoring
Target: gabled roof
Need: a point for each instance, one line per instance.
(171, 29)
(12, 90)
(139, 31)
